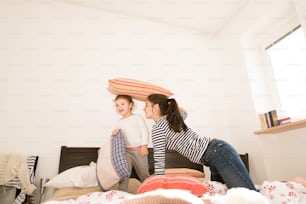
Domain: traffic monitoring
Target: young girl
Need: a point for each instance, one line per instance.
(136, 136)
(170, 132)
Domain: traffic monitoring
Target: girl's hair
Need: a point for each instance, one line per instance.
(126, 97)
(169, 108)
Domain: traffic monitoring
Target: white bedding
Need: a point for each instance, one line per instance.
(273, 192)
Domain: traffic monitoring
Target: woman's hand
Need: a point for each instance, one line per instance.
(182, 110)
(144, 150)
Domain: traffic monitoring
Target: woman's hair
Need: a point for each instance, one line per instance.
(169, 108)
(126, 97)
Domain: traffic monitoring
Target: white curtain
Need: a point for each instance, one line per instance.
(300, 6)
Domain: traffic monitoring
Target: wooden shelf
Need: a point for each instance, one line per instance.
(283, 128)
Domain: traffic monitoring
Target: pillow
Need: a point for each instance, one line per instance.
(299, 180)
(173, 182)
(184, 171)
(168, 196)
(215, 187)
(80, 176)
(137, 89)
(112, 164)
(283, 192)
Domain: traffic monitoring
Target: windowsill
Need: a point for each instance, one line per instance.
(282, 128)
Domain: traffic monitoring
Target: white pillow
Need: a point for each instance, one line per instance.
(80, 176)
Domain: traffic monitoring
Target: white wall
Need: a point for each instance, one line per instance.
(56, 60)
(276, 156)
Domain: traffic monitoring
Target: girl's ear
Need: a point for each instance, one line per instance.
(131, 106)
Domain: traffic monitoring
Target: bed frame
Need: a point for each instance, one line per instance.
(77, 156)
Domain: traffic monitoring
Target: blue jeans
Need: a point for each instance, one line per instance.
(226, 166)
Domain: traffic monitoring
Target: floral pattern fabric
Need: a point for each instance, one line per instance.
(275, 192)
(278, 192)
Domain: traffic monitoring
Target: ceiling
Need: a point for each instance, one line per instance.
(207, 16)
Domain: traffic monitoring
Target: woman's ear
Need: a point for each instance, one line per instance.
(156, 108)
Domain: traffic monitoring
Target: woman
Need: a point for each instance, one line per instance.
(170, 132)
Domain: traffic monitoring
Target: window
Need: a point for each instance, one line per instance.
(288, 59)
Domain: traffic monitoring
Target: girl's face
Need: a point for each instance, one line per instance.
(123, 107)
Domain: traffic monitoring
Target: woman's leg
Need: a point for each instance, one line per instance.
(223, 159)
(215, 176)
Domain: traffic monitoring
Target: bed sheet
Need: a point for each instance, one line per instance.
(70, 193)
(270, 192)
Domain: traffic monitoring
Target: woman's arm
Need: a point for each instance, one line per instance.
(159, 147)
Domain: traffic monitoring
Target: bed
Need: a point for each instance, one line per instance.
(72, 157)
(76, 156)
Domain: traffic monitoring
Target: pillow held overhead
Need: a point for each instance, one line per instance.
(139, 90)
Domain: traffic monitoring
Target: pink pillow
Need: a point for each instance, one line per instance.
(173, 182)
(137, 89)
(185, 172)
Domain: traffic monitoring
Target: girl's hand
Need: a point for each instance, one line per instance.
(115, 132)
(144, 150)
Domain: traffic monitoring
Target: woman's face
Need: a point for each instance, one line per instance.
(148, 109)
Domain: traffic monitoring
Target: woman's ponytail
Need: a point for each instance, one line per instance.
(170, 109)
(174, 117)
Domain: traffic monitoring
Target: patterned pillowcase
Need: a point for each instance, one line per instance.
(215, 187)
(283, 192)
(137, 89)
(118, 157)
(182, 182)
(112, 164)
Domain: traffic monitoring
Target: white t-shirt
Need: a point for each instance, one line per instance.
(134, 130)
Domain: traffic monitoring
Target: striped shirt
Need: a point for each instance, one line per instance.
(188, 143)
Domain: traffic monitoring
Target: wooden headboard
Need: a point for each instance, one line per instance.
(77, 156)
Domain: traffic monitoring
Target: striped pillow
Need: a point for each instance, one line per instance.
(173, 182)
(137, 89)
